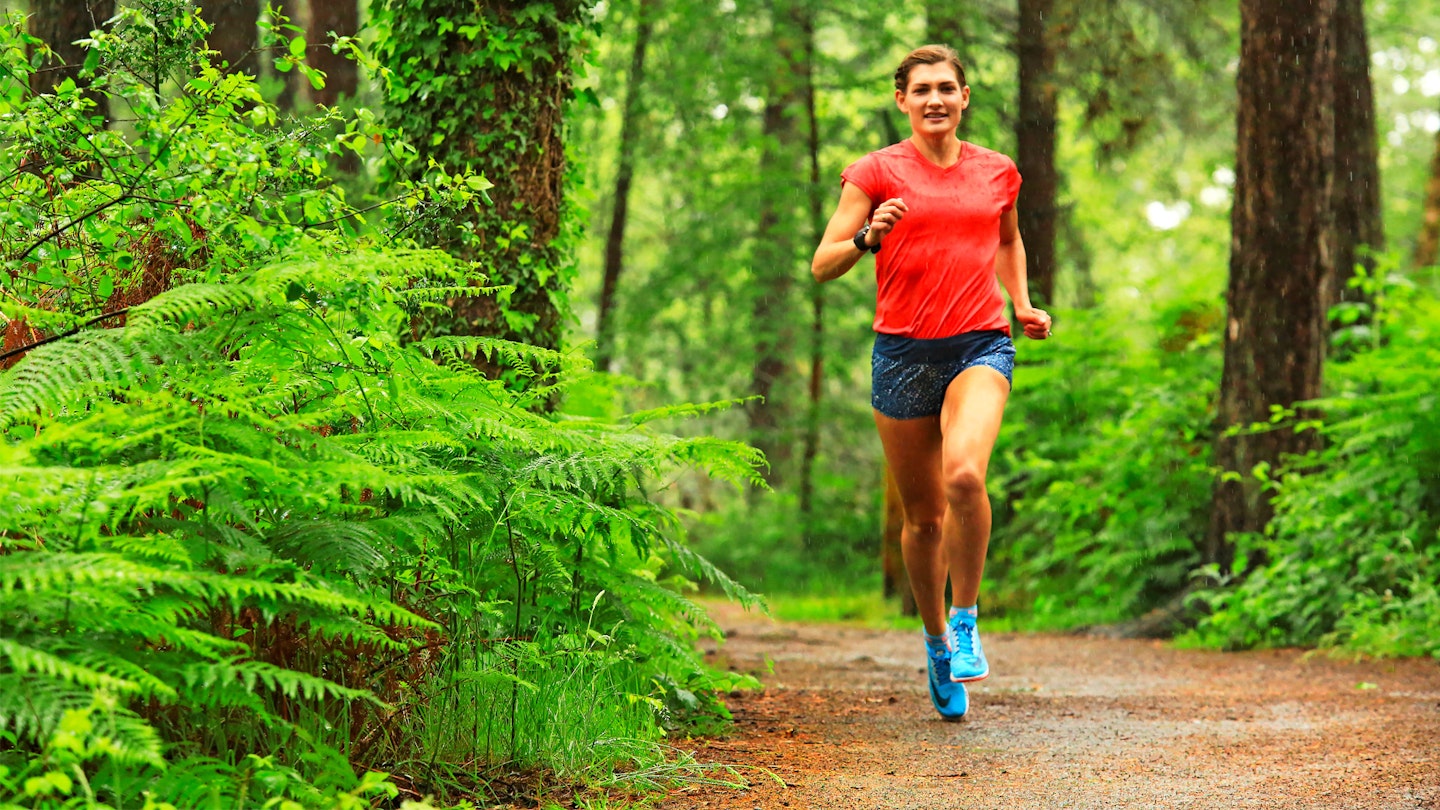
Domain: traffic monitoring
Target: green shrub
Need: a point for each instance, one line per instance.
(1102, 483)
(258, 544)
(1352, 558)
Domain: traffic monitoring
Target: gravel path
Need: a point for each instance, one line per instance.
(1069, 722)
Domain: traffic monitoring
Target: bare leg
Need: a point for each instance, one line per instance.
(913, 450)
(969, 424)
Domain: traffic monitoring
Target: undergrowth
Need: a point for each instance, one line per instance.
(261, 546)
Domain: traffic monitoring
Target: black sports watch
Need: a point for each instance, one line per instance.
(859, 240)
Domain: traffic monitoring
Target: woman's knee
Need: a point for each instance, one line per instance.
(925, 527)
(964, 482)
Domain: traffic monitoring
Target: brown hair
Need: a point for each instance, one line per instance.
(928, 55)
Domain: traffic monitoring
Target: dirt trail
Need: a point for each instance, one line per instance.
(1070, 722)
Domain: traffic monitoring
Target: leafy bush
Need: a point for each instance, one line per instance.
(1102, 485)
(1352, 557)
(244, 517)
(259, 541)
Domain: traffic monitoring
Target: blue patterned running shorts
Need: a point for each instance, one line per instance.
(908, 376)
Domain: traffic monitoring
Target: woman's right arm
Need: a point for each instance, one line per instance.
(837, 252)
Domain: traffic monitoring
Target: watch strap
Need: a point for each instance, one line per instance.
(859, 241)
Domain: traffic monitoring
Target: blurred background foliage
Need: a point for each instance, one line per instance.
(1103, 475)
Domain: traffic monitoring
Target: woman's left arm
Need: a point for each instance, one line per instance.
(1010, 267)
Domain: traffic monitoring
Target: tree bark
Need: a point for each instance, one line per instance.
(624, 175)
(504, 119)
(1035, 148)
(1358, 222)
(236, 32)
(342, 18)
(892, 557)
(290, 84)
(1282, 251)
(60, 23)
(1427, 246)
(773, 265)
(811, 447)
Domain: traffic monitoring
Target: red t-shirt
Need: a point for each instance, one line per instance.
(936, 270)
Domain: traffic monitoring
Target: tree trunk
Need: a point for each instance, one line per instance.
(1358, 223)
(290, 82)
(892, 557)
(60, 23)
(505, 119)
(342, 18)
(773, 265)
(1035, 148)
(236, 32)
(817, 291)
(624, 174)
(1427, 246)
(1282, 250)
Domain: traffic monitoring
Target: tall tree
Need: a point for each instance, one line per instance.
(773, 263)
(494, 103)
(1427, 245)
(1035, 147)
(624, 176)
(60, 24)
(341, 18)
(235, 32)
(1283, 249)
(816, 208)
(1358, 222)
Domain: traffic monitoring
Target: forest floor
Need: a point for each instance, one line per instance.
(844, 721)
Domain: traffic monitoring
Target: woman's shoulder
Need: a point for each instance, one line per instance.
(985, 156)
(893, 152)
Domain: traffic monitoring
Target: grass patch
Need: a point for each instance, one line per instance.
(871, 609)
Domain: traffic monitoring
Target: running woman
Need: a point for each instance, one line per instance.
(939, 215)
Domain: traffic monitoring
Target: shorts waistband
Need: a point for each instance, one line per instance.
(933, 350)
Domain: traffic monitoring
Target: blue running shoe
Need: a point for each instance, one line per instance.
(968, 662)
(949, 698)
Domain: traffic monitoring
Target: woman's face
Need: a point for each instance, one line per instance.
(933, 99)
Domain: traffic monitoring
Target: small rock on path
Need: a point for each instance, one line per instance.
(1068, 722)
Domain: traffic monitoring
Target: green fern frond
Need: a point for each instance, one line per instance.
(288, 682)
(687, 410)
(190, 303)
(27, 660)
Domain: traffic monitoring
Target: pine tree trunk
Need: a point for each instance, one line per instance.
(624, 175)
(1358, 223)
(342, 18)
(236, 32)
(892, 556)
(290, 88)
(1282, 253)
(777, 226)
(817, 291)
(504, 119)
(1035, 148)
(59, 23)
(1427, 246)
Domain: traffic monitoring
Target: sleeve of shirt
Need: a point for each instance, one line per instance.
(864, 174)
(1009, 185)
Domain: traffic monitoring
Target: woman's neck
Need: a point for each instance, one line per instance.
(943, 151)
